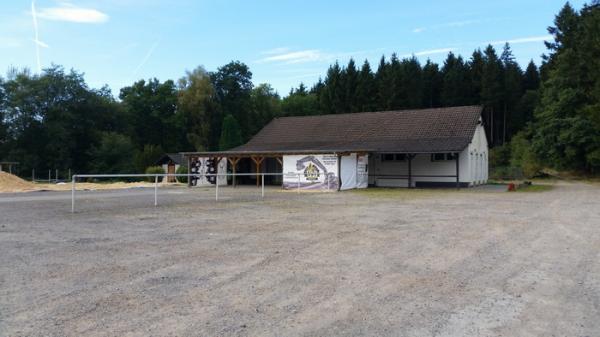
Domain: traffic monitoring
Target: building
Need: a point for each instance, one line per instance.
(170, 162)
(439, 147)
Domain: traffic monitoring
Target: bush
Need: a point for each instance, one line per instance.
(154, 170)
(523, 156)
(182, 170)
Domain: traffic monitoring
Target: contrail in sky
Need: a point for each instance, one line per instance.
(145, 59)
(37, 41)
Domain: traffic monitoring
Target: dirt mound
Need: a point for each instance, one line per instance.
(12, 183)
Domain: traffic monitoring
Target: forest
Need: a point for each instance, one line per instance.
(535, 118)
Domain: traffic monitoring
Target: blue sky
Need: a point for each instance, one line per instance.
(116, 42)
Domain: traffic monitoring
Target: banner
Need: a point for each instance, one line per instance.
(354, 171)
(205, 167)
(311, 172)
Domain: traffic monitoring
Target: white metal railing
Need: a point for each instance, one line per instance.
(188, 175)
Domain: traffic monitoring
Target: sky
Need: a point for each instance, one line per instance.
(117, 42)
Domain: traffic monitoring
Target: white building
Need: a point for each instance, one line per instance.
(440, 147)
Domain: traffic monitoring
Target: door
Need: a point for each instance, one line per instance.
(171, 170)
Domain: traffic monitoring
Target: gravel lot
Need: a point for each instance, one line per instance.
(376, 263)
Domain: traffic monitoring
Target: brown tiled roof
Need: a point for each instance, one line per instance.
(424, 130)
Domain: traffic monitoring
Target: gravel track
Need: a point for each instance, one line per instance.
(441, 263)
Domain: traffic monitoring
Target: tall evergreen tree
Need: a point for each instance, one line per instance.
(432, 85)
(350, 84)
(492, 93)
(384, 85)
(456, 87)
(366, 91)
(513, 119)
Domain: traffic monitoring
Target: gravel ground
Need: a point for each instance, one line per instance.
(376, 263)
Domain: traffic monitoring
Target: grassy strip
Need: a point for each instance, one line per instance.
(534, 188)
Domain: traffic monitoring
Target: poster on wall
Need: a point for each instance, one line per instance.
(311, 172)
(362, 171)
(204, 169)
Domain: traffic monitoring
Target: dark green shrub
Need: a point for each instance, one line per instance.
(154, 170)
(182, 170)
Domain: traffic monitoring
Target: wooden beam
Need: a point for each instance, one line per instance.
(257, 160)
(233, 161)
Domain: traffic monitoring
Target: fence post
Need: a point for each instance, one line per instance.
(49, 176)
(217, 188)
(56, 176)
(298, 182)
(33, 175)
(156, 190)
(263, 186)
(73, 194)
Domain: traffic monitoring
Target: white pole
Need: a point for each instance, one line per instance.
(298, 182)
(217, 188)
(156, 190)
(73, 194)
(263, 186)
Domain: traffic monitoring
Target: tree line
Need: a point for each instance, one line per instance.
(546, 117)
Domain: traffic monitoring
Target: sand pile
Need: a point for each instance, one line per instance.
(12, 183)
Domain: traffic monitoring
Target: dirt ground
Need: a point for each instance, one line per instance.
(374, 263)
(12, 184)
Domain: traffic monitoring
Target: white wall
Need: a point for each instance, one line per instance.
(473, 166)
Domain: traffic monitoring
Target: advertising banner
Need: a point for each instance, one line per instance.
(205, 167)
(311, 172)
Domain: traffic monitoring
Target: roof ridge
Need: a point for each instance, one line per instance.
(383, 111)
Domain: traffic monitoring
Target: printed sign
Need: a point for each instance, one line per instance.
(206, 169)
(311, 172)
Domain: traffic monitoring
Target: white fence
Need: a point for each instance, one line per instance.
(188, 175)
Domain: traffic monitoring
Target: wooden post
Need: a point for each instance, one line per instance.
(457, 171)
(410, 157)
(233, 161)
(189, 170)
(280, 160)
(257, 161)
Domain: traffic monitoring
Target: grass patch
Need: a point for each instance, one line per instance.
(534, 188)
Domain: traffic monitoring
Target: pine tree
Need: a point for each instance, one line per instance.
(383, 82)
(456, 86)
(492, 93)
(476, 66)
(531, 79)
(350, 83)
(365, 89)
(513, 77)
(432, 85)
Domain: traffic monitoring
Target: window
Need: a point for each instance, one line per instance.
(442, 156)
(393, 157)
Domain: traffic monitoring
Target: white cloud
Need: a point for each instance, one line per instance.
(453, 24)
(274, 51)
(70, 13)
(430, 52)
(301, 56)
(522, 40)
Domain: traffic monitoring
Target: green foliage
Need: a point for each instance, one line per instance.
(197, 109)
(154, 170)
(231, 135)
(113, 154)
(182, 170)
(523, 157)
(567, 130)
(550, 115)
(147, 157)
